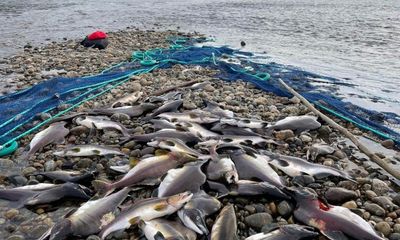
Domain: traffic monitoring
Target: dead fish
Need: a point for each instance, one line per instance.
(296, 123)
(162, 124)
(236, 140)
(87, 151)
(169, 133)
(226, 129)
(163, 229)
(334, 222)
(285, 232)
(213, 108)
(170, 106)
(318, 149)
(148, 168)
(173, 145)
(197, 130)
(67, 117)
(244, 122)
(294, 166)
(67, 176)
(194, 212)
(176, 180)
(130, 98)
(165, 97)
(101, 122)
(255, 166)
(89, 218)
(248, 188)
(121, 169)
(195, 116)
(131, 111)
(146, 210)
(41, 194)
(225, 226)
(55, 133)
(221, 167)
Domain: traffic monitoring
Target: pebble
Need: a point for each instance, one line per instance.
(49, 166)
(84, 163)
(28, 171)
(11, 213)
(147, 150)
(136, 87)
(79, 130)
(396, 199)
(250, 209)
(370, 194)
(375, 209)
(258, 220)
(379, 187)
(337, 195)
(261, 101)
(120, 117)
(394, 236)
(303, 180)
(285, 208)
(16, 237)
(18, 180)
(284, 134)
(350, 205)
(295, 100)
(396, 228)
(384, 202)
(388, 143)
(383, 227)
(305, 138)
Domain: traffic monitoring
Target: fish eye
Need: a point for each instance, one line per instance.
(227, 140)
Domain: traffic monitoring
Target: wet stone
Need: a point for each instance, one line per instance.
(337, 195)
(379, 186)
(79, 130)
(394, 236)
(258, 220)
(384, 202)
(147, 150)
(84, 163)
(375, 209)
(396, 228)
(28, 171)
(350, 205)
(284, 134)
(384, 228)
(285, 208)
(250, 209)
(17, 180)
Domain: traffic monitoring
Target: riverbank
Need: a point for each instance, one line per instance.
(372, 197)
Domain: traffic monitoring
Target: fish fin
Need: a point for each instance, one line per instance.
(133, 162)
(102, 187)
(160, 152)
(160, 207)
(134, 221)
(159, 236)
(334, 235)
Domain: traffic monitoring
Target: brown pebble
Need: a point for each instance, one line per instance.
(11, 213)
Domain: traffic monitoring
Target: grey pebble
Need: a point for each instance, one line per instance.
(394, 236)
(385, 202)
(383, 227)
(337, 195)
(49, 165)
(303, 180)
(285, 208)
(16, 237)
(375, 209)
(379, 186)
(258, 220)
(147, 150)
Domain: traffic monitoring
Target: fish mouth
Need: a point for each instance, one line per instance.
(179, 199)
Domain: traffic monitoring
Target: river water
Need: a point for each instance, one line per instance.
(357, 41)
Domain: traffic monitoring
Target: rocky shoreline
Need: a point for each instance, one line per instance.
(373, 196)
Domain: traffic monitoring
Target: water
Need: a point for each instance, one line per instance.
(356, 41)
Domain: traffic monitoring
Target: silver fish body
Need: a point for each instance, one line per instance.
(197, 116)
(174, 145)
(166, 97)
(101, 122)
(87, 151)
(197, 130)
(146, 210)
(55, 133)
(130, 98)
(236, 140)
(294, 166)
(255, 166)
(285, 232)
(222, 168)
(88, 218)
(213, 108)
(176, 180)
(227, 129)
(169, 133)
(335, 222)
(131, 111)
(297, 123)
(194, 212)
(225, 226)
(164, 229)
(148, 168)
(170, 106)
(161, 124)
(244, 122)
(318, 149)
(67, 176)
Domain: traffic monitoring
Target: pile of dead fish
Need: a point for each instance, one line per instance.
(202, 156)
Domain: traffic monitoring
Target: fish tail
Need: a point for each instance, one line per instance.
(102, 187)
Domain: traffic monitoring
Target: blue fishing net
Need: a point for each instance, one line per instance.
(19, 109)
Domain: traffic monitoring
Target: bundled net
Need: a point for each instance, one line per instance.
(19, 109)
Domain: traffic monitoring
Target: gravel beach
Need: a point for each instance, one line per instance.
(373, 196)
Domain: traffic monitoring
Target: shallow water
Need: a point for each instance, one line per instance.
(357, 41)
